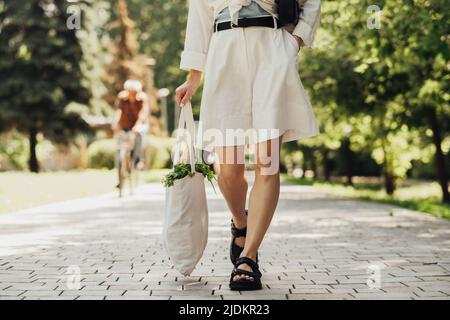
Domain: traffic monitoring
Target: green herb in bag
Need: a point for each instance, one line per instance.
(183, 170)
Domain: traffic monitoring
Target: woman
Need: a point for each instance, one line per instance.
(252, 95)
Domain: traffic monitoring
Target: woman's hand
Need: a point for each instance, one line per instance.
(299, 41)
(186, 91)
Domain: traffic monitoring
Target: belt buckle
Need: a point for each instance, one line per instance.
(275, 22)
(242, 23)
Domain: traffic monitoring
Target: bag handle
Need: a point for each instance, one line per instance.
(186, 121)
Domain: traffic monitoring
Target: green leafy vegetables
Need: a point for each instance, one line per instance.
(182, 170)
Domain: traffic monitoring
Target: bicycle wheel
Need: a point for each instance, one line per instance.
(130, 171)
(122, 172)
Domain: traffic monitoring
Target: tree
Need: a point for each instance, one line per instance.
(40, 72)
(126, 59)
(160, 28)
(336, 91)
(407, 62)
(391, 80)
(95, 18)
(126, 63)
(425, 54)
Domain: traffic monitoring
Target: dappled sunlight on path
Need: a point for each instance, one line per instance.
(318, 247)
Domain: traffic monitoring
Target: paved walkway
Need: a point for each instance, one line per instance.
(318, 247)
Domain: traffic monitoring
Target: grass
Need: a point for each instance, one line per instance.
(420, 196)
(21, 190)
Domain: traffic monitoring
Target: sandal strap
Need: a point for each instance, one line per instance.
(240, 272)
(237, 233)
(252, 264)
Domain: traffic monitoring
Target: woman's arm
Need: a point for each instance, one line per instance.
(144, 113)
(193, 59)
(115, 126)
(198, 35)
(309, 21)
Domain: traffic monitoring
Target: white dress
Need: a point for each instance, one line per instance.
(252, 90)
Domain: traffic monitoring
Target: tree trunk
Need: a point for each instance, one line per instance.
(326, 165)
(33, 164)
(389, 177)
(441, 171)
(349, 158)
(389, 182)
(304, 165)
(83, 162)
(314, 166)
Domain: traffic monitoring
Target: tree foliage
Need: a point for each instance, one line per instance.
(126, 63)
(386, 86)
(40, 72)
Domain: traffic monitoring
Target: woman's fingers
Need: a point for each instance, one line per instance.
(179, 94)
(186, 99)
(299, 41)
(183, 95)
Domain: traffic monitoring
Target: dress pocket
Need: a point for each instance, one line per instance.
(292, 40)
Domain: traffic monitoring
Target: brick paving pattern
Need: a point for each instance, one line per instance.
(318, 247)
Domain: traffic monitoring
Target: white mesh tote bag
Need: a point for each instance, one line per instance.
(185, 231)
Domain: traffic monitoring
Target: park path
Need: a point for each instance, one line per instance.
(318, 247)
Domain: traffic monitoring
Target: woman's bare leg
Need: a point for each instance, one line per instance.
(233, 185)
(263, 198)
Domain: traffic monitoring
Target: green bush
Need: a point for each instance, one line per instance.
(102, 153)
(13, 151)
(157, 153)
(54, 157)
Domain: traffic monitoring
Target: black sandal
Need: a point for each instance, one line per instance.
(246, 285)
(235, 250)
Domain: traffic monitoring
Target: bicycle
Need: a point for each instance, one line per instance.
(125, 164)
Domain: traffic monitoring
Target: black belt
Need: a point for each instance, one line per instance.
(268, 22)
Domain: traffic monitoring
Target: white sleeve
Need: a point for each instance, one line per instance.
(198, 34)
(309, 21)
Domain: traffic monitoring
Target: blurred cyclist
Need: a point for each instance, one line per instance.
(131, 114)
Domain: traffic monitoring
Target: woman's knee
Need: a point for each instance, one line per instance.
(231, 172)
(267, 170)
(267, 158)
